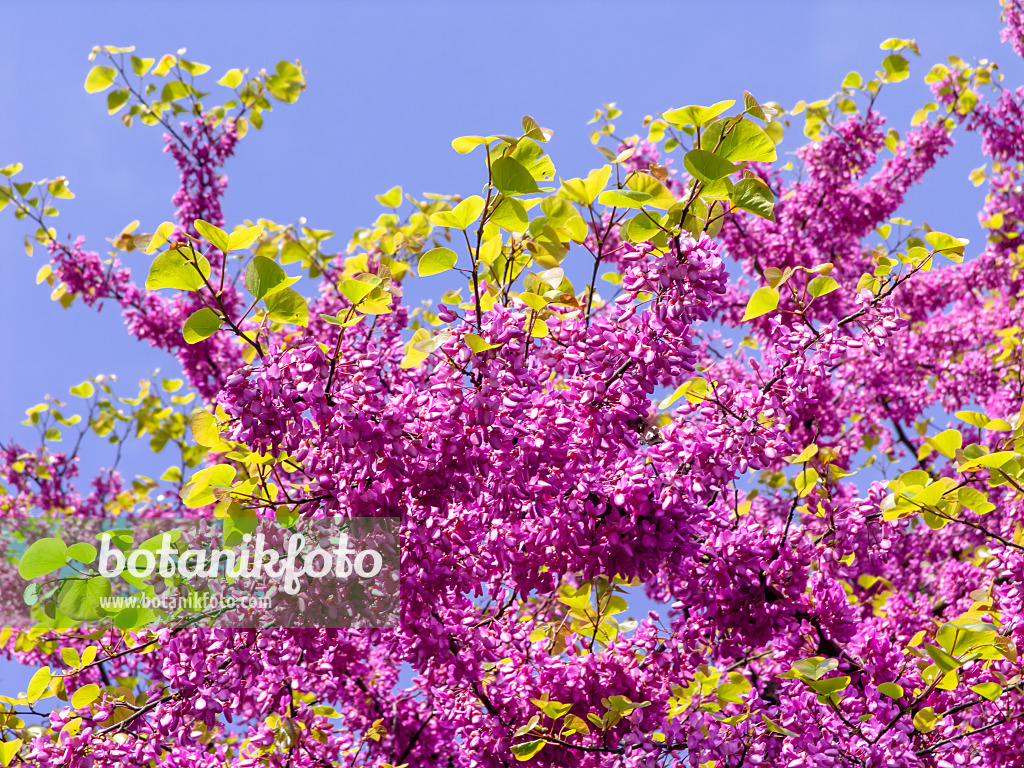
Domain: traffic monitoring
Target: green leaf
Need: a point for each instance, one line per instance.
(232, 78)
(553, 709)
(436, 261)
(806, 454)
(943, 660)
(806, 481)
(896, 68)
(477, 343)
(747, 142)
(215, 236)
(391, 199)
(80, 598)
(38, 684)
(979, 420)
(815, 667)
(197, 492)
(287, 306)
(694, 391)
(175, 90)
(706, 166)
(85, 389)
(462, 215)
(755, 109)
(763, 301)
(821, 285)
(71, 657)
(924, 721)
(586, 190)
(852, 80)
(466, 144)
(892, 690)
(990, 691)
(643, 226)
(334, 320)
(527, 749)
(85, 696)
(149, 243)
(947, 443)
(991, 460)
(264, 276)
(141, 66)
(623, 198)
(237, 523)
(171, 269)
(9, 750)
(830, 685)
(287, 84)
(243, 238)
(533, 130)
(946, 244)
(42, 557)
(356, 290)
(774, 727)
(696, 115)
(204, 429)
(753, 195)
(100, 78)
(116, 100)
(660, 195)
(511, 215)
(132, 617)
(468, 211)
(422, 343)
(511, 177)
(576, 724)
(378, 302)
(975, 500)
(194, 68)
(201, 324)
(83, 552)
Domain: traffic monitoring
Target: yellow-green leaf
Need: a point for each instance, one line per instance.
(763, 301)
(38, 684)
(149, 243)
(243, 238)
(204, 429)
(8, 751)
(821, 285)
(466, 144)
(356, 290)
(527, 749)
(232, 78)
(85, 696)
(215, 236)
(201, 324)
(990, 691)
(99, 79)
(892, 690)
(436, 261)
(924, 721)
(696, 115)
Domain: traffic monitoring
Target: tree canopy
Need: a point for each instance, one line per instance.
(746, 388)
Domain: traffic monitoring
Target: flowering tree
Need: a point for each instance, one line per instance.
(786, 411)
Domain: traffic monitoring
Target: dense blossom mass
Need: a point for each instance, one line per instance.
(767, 401)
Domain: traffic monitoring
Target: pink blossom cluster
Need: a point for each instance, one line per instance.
(542, 474)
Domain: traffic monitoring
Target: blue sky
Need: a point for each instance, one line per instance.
(389, 86)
